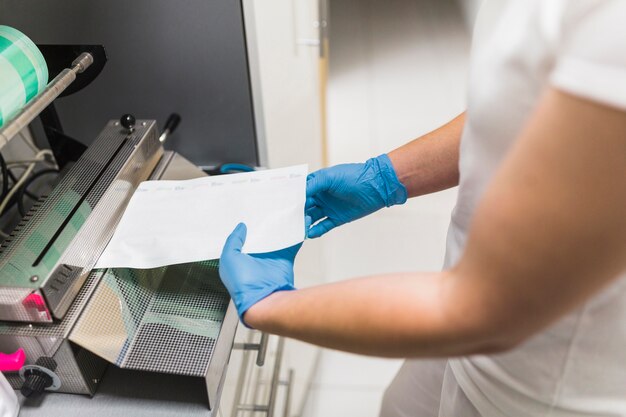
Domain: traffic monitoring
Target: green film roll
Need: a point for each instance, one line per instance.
(23, 72)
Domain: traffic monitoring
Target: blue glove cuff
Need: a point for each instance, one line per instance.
(395, 192)
(247, 300)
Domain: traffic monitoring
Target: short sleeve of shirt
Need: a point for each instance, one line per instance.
(591, 56)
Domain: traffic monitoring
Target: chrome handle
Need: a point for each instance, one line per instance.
(289, 384)
(323, 26)
(260, 357)
(171, 124)
(260, 347)
(275, 376)
(308, 42)
(269, 408)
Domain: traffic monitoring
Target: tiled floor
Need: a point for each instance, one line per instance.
(397, 70)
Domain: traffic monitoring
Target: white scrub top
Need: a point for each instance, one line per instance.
(577, 367)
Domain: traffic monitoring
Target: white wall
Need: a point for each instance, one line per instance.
(398, 69)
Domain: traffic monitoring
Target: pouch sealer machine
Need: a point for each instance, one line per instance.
(69, 319)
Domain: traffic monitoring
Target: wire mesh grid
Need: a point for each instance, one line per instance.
(164, 319)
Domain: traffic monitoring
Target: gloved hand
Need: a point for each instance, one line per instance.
(250, 278)
(343, 193)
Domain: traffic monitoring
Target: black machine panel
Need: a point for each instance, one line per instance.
(164, 56)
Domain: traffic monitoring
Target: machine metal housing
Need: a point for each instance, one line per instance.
(171, 320)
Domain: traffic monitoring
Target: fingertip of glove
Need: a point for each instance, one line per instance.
(237, 238)
(313, 233)
(241, 231)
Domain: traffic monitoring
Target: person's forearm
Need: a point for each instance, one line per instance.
(535, 250)
(400, 315)
(430, 163)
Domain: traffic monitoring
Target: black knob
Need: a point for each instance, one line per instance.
(47, 362)
(172, 122)
(128, 121)
(35, 383)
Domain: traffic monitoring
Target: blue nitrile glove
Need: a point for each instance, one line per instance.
(250, 278)
(343, 193)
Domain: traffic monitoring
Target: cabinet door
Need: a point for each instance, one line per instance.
(288, 65)
(283, 46)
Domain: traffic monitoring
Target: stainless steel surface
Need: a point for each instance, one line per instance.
(134, 162)
(176, 320)
(124, 392)
(77, 367)
(61, 240)
(171, 320)
(47, 96)
(179, 168)
(260, 348)
(171, 337)
(217, 367)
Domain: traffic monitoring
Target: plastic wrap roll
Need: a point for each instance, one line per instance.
(23, 72)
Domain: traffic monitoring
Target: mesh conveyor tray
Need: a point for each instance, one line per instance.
(163, 320)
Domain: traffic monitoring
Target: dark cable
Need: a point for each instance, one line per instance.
(5, 178)
(13, 199)
(23, 189)
(14, 179)
(6, 188)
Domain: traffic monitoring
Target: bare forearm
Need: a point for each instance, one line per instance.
(430, 163)
(400, 315)
(547, 235)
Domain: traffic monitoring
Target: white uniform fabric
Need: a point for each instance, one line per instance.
(577, 367)
(426, 388)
